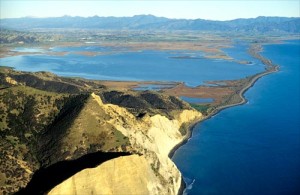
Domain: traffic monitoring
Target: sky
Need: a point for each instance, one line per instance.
(189, 9)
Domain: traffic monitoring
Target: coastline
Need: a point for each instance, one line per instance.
(184, 141)
(269, 68)
(242, 91)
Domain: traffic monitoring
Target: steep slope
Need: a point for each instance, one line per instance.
(130, 175)
(80, 129)
(24, 113)
(46, 132)
(152, 137)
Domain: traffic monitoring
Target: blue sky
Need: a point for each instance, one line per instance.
(191, 9)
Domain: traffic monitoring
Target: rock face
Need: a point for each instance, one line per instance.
(130, 175)
(47, 122)
(151, 172)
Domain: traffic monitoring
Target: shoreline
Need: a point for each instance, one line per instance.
(269, 69)
(177, 146)
(242, 92)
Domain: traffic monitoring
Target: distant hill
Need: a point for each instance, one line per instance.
(149, 22)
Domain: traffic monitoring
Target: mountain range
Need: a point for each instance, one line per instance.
(260, 24)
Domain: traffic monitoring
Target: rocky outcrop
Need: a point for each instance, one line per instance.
(150, 172)
(49, 123)
(10, 81)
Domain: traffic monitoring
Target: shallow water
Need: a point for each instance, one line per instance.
(197, 100)
(135, 66)
(30, 50)
(153, 87)
(253, 148)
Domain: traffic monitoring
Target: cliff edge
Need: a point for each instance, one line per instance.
(150, 172)
(73, 136)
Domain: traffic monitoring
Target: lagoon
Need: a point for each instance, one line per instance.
(196, 100)
(147, 65)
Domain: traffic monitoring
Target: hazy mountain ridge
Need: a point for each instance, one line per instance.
(149, 22)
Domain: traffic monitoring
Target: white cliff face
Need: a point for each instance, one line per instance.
(150, 173)
(10, 81)
(123, 175)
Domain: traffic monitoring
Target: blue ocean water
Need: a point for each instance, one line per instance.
(253, 148)
(135, 65)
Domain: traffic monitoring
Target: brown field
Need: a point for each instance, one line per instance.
(211, 49)
(217, 92)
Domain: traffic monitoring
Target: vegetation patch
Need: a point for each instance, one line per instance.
(203, 108)
(183, 129)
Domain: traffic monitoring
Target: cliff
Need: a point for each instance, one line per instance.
(150, 172)
(130, 175)
(49, 132)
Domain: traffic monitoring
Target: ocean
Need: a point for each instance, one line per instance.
(253, 148)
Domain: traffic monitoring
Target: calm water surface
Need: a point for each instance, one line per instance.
(253, 148)
(136, 66)
(196, 100)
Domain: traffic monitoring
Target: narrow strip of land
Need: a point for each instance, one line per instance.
(270, 68)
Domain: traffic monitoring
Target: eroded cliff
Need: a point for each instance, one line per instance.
(150, 172)
(68, 126)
